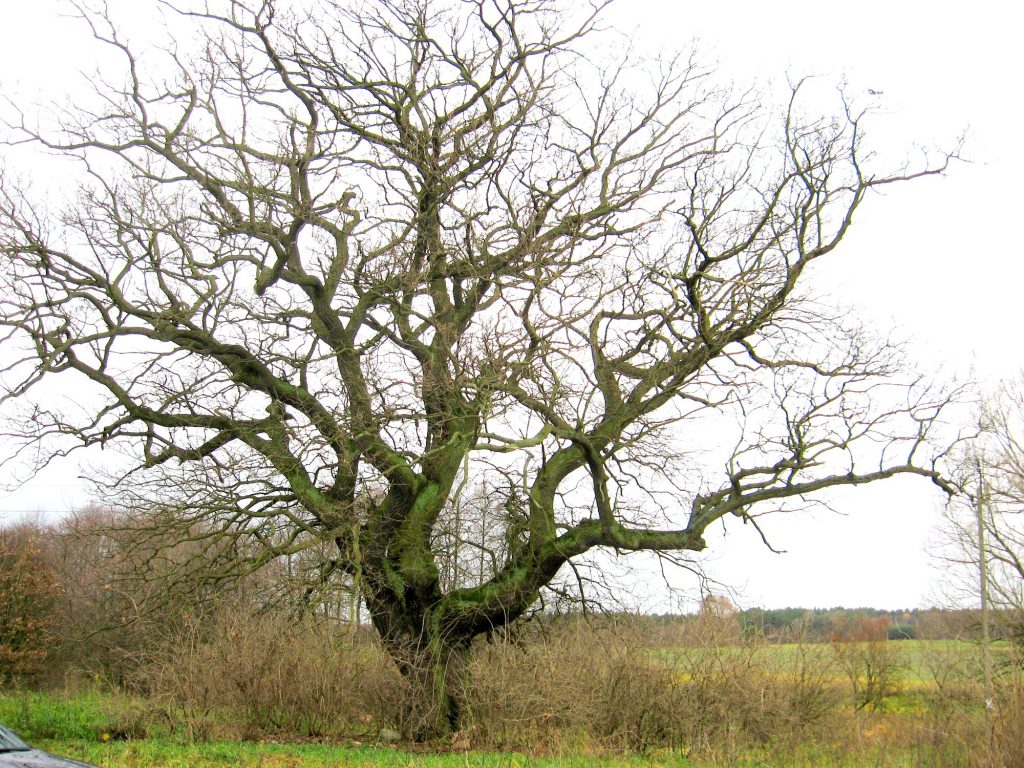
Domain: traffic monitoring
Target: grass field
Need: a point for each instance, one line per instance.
(79, 726)
(119, 731)
(164, 754)
(920, 661)
(155, 753)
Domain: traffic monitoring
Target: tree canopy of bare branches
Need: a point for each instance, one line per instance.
(368, 273)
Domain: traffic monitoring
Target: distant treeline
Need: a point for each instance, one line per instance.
(828, 624)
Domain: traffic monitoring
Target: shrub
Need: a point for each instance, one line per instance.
(250, 673)
(591, 682)
(599, 683)
(871, 664)
(1008, 724)
(28, 596)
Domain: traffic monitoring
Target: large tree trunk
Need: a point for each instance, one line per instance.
(428, 632)
(433, 661)
(436, 671)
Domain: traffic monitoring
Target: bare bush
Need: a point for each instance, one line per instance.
(115, 605)
(592, 682)
(869, 661)
(1008, 725)
(252, 674)
(961, 731)
(602, 684)
(29, 590)
(806, 687)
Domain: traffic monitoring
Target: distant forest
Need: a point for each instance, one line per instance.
(825, 624)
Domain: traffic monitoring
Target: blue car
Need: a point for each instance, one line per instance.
(15, 753)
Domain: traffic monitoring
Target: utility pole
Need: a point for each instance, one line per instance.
(983, 576)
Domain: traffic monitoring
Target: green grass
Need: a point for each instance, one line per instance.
(37, 716)
(75, 726)
(165, 754)
(78, 725)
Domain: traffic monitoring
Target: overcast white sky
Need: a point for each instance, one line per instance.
(938, 262)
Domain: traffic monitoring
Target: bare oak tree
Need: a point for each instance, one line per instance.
(424, 280)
